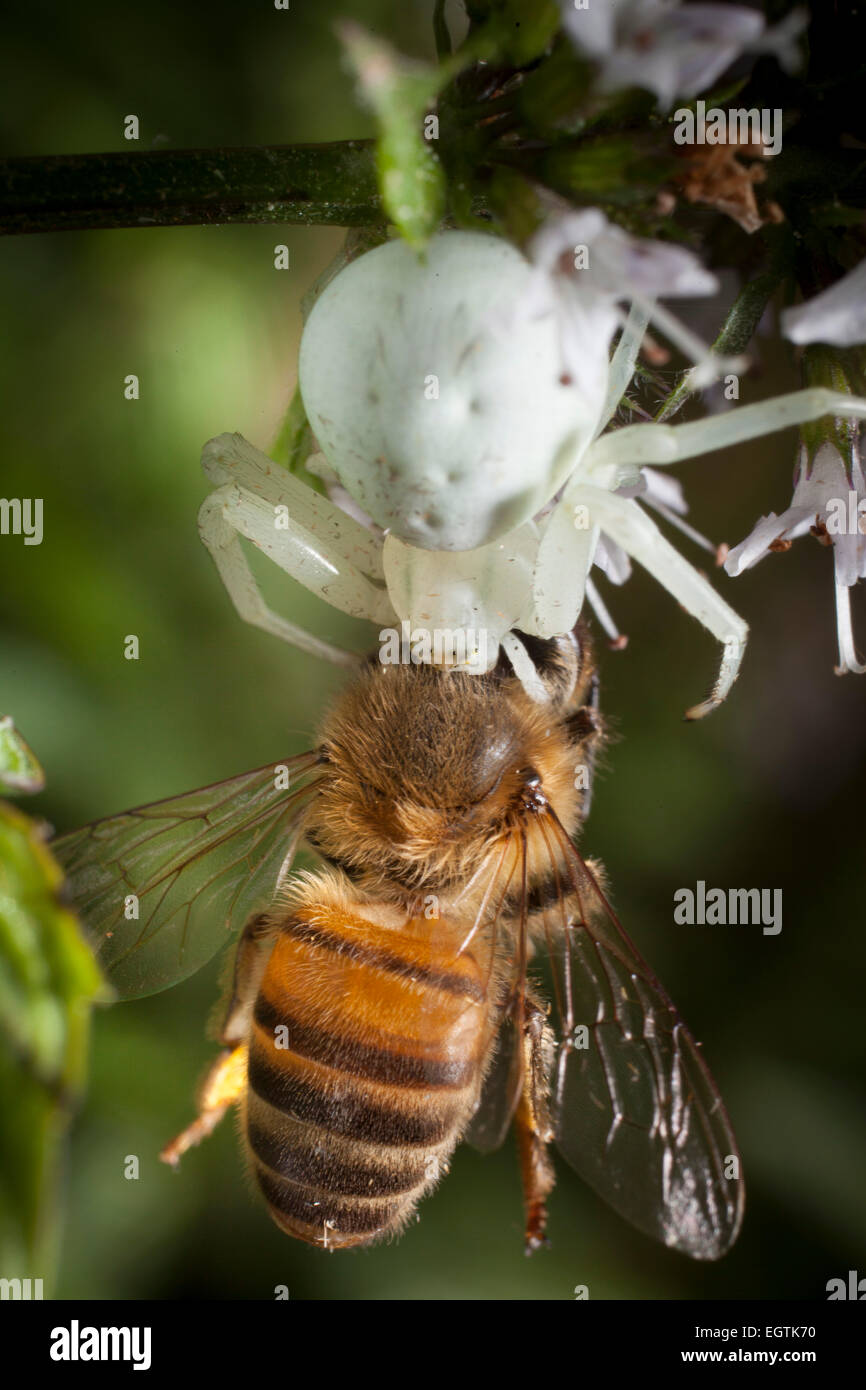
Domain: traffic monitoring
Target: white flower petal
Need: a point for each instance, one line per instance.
(792, 523)
(664, 488)
(619, 266)
(612, 560)
(781, 40)
(849, 555)
(564, 231)
(703, 40)
(824, 479)
(592, 28)
(674, 51)
(585, 321)
(626, 265)
(583, 266)
(847, 655)
(837, 315)
(823, 490)
(603, 615)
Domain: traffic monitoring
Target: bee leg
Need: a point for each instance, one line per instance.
(586, 731)
(225, 1082)
(532, 1123)
(223, 1086)
(250, 961)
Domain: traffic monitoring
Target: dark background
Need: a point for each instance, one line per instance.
(766, 793)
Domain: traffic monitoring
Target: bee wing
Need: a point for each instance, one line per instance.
(500, 1092)
(635, 1110)
(161, 888)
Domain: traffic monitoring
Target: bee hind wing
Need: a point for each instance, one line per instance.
(635, 1110)
(500, 1092)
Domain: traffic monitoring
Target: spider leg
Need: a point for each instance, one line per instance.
(637, 445)
(229, 458)
(562, 566)
(310, 540)
(623, 520)
(622, 362)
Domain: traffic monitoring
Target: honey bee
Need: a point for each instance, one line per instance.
(384, 1007)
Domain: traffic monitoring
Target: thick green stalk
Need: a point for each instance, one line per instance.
(311, 184)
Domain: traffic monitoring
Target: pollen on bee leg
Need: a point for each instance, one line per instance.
(223, 1086)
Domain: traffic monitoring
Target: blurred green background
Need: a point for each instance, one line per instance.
(768, 792)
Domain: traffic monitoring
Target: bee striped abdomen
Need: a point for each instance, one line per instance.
(366, 1055)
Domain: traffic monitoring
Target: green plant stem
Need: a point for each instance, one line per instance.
(303, 184)
(736, 333)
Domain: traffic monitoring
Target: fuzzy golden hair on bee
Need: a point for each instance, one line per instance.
(424, 768)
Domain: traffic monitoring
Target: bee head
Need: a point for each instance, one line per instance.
(426, 766)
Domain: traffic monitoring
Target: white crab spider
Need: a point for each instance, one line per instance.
(454, 399)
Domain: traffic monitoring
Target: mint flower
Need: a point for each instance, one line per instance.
(829, 502)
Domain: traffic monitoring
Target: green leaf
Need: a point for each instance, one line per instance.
(20, 770)
(400, 92)
(517, 204)
(48, 980)
(836, 369)
(521, 30)
(526, 29)
(295, 443)
(620, 169)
